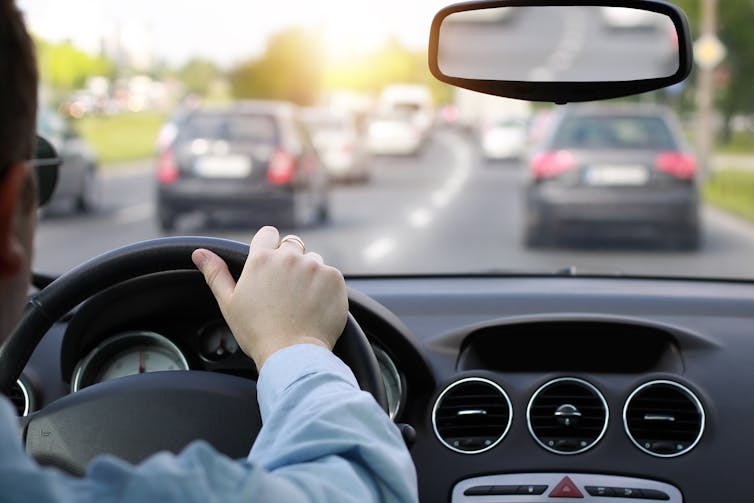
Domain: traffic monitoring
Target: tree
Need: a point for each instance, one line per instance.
(65, 68)
(736, 94)
(198, 76)
(391, 63)
(290, 69)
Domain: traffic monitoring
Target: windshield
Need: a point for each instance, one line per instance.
(618, 132)
(228, 126)
(323, 119)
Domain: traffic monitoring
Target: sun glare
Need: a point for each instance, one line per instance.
(351, 30)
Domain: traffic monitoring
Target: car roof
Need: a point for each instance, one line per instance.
(617, 109)
(249, 106)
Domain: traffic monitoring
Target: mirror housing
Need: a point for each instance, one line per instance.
(559, 92)
(46, 164)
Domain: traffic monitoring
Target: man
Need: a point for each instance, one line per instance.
(323, 439)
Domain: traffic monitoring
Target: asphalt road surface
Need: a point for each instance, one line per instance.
(444, 211)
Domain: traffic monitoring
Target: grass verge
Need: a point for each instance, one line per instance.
(732, 190)
(740, 143)
(120, 138)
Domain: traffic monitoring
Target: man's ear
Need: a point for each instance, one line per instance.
(11, 187)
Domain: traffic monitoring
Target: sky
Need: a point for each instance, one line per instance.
(228, 31)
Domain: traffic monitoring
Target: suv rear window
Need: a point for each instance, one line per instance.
(614, 132)
(246, 128)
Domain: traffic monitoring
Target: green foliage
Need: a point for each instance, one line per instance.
(736, 94)
(65, 68)
(123, 137)
(740, 143)
(290, 69)
(293, 68)
(199, 75)
(732, 190)
(392, 63)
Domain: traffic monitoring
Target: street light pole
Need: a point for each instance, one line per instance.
(705, 131)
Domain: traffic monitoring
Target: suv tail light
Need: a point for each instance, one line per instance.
(167, 168)
(676, 164)
(282, 167)
(552, 164)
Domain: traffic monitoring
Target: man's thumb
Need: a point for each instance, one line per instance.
(216, 274)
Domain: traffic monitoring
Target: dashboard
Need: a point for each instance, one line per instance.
(519, 389)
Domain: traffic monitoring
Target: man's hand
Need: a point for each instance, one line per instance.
(283, 297)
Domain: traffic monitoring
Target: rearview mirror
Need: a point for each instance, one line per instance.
(560, 51)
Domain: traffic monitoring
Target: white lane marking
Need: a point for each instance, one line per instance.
(378, 249)
(569, 46)
(420, 218)
(136, 213)
(440, 199)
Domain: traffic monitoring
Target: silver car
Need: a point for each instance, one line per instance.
(76, 188)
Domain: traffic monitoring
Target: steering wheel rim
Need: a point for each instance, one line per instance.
(135, 260)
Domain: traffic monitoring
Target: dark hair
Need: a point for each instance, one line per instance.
(18, 88)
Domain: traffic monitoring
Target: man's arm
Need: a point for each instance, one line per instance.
(323, 440)
(345, 433)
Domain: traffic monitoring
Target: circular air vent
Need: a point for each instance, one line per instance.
(663, 418)
(472, 415)
(567, 416)
(20, 396)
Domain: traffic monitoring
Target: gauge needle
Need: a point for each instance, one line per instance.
(141, 362)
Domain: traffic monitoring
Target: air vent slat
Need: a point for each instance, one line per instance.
(663, 399)
(567, 416)
(487, 419)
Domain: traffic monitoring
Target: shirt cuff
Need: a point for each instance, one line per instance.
(286, 366)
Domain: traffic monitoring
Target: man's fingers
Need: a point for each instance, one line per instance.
(316, 257)
(293, 243)
(266, 238)
(216, 274)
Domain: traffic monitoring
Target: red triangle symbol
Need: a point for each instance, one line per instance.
(566, 489)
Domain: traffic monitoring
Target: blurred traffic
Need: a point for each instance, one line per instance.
(358, 148)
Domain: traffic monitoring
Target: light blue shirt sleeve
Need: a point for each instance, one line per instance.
(323, 440)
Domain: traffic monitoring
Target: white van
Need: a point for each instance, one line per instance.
(413, 100)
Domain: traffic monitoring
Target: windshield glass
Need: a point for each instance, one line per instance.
(619, 132)
(227, 126)
(323, 119)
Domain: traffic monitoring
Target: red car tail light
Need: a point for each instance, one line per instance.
(167, 168)
(282, 168)
(676, 164)
(552, 164)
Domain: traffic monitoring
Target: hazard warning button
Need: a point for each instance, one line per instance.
(566, 489)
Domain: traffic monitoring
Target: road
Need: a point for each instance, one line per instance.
(446, 210)
(555, 43)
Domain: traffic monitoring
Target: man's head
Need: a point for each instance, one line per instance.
(18, 110)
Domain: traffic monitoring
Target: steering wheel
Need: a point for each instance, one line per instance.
(135, 416)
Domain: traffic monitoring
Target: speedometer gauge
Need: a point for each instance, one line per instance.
(216, 341)
(126, 354)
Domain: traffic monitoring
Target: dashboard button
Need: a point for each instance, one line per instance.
(628, 492)
(533, 490)
(600, 491)
(477, 491)
(653, 494)
(566, 489)
(504, 490)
